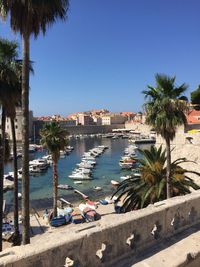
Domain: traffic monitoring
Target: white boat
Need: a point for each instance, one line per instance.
(104, 147)
(80, 176)
(92, 162)
(7, 184)
(125, 177)
(48, 158)
(65, 187)
(62, 154)
(70, 148)
(33, 169)
(41, 163)
(19, 173)
(97, 188)
(89, 158)
(82, 170)
(113, 182)
(78, 182)
(85, 165)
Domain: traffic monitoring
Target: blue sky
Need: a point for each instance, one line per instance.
(109, 50)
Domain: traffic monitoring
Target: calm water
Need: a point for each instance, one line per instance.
(107, 168)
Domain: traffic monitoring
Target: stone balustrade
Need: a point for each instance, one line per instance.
(113, 237)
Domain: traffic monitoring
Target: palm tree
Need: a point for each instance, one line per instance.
(8, 79)
(53, 137)
(139, 192)
(29, 18)
(165, 108)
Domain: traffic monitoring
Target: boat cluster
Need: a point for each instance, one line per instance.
(36, 166)
(128, 160)
(83, 171)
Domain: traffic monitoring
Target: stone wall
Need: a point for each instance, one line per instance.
(114, 237)
(79, 129)
(138, 127)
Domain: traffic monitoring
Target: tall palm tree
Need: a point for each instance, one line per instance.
(139, 192)
(54, 138)
(165, 108)
(8, 79)
(30, 17)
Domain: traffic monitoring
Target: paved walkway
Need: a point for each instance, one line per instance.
(179, 251)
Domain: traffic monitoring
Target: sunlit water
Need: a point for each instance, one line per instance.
(107, 169)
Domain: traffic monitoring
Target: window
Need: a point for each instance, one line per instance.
(16, 126)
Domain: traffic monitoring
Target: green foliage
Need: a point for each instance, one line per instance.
(54, 138)
(139, 192)
(165, 106)
(10, 86)
(195, 98)
(32, 17)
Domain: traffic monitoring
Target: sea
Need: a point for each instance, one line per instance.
(107, 169)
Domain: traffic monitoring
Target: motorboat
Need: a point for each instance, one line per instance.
(127, 163)
(80, 176)
(48, 158)
(63, 154)
(125, 177)
(34, 169)
(92, 162)
(97, 188)
(82, 170)
(115, 183)
(78, 182)
(41, 163)
(85, 165)
(88, 158)
(65, 187)
(19, 173)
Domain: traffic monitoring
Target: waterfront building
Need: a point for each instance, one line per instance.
(84, 119)
(18, 125)
(97, 120)
(113, 118)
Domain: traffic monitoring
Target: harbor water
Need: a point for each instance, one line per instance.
(107, 169)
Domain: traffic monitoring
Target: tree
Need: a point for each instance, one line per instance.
(29, 17)
(195, 98)
(8, 79)
(53, 137)
(165, 107)
(139, 192)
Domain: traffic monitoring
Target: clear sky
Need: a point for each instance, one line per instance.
(107, 52)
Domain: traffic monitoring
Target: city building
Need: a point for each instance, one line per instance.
(193, 117)
(18, 125)
(84, 119)
(113, 118)
(97, 120)
(129, 115)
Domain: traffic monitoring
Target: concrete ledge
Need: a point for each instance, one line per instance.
(115, 236)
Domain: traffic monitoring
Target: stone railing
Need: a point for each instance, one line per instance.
(113, 237)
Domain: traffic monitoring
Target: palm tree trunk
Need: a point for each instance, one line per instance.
(168, 151)
(55, 188)
(2, 152)
(25, 140)
(16, 224)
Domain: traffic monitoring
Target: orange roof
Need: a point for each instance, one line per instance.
(193, 116)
